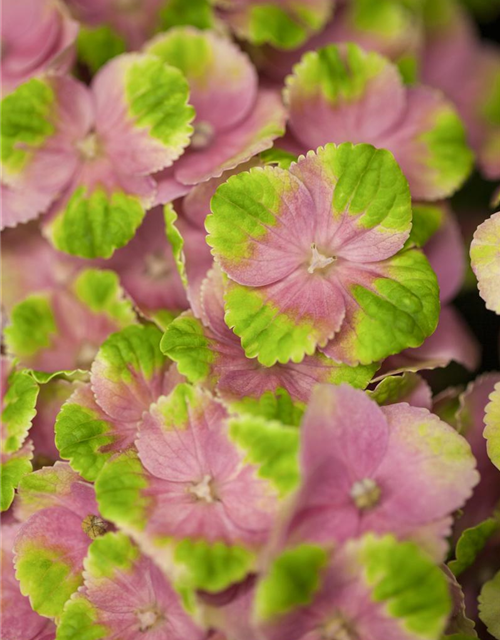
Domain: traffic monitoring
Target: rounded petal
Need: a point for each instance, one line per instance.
(37, 35)
(235, 146)
(142, 115)
(222, 80)
(485, 261)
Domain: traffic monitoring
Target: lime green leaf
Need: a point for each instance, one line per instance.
(492, 429)
(97, 45)
(25, 125)
(32, 326)
(489, 611)
(270, 445)
(94, 225)
(19, 403)
(427, 220)
(100, 290)
(418, 596)
(292, 580)
(212, 567)
(471, 543)
(178, 13)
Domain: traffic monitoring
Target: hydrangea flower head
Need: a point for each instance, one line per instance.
(359, 592)
(344, 94)
(235, 119)
(102, 417)
(313, 256)
(150, 609)
(185, 488)
(88, 153)
(394, 468)
(208, 352)
(71, 322)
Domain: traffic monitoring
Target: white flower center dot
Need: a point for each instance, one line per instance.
(86, 354)
(88, 147)
(365, 493)
(156, 266)
(147, 619)
(337, 629)
(204, 490)
(318, 260)
(202, 136)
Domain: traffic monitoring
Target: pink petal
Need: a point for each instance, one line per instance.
(234, 146)
(17, 615)
(36, 35)
(446, 253)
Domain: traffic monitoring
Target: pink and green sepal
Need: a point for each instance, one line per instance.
(60, 519)
(115, 569)
(357, 590)
(201, 494)
(100, 419)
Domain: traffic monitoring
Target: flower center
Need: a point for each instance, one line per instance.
(148, 618)
(338, 629)
(202, 136)
(318, 260)
(86, 354)
(94, 526)
(156, 266)
(89, 147)
(204, 490)
(365, 494)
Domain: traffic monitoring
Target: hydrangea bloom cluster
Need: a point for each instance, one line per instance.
(248, 378)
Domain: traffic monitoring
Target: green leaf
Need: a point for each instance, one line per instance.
(11, 473)
(417, 595)
(109, 554)
(292, 581)
(43, 377)
(32, 326)
(176, 241)
(94, 225)
(81, 436)
(399, 310)
(19, 403)
(489, 611)
(449, 156)
(272, 447)
(158, 98)
(492, 429)
(214, 566)
(395, 388)
(79, 621)
(100, 290)
(119, 491)
(185, 343)
(47, 577)
(427, 220)
(130, 353)
(276, 405)
(471, 543)
(25, 122)
(278, 157)
(283, 27)
(97, 45)
(178, 13)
